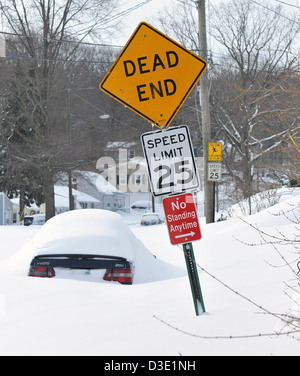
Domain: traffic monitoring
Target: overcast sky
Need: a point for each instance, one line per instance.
(151, 8)
(144, 13)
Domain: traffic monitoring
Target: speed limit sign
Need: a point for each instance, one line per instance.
(170, 159)
(214, 171)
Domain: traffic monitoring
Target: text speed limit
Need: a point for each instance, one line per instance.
(173, 176)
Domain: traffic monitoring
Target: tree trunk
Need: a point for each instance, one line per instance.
(49, 192)
(22, 203)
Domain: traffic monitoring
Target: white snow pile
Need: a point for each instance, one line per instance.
(248, 276)
(260, 201)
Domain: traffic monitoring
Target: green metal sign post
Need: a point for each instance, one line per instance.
(194, 278)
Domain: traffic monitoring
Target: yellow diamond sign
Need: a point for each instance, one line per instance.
(153, 75)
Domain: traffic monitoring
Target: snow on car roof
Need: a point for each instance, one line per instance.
(149, 214)
(88, 231)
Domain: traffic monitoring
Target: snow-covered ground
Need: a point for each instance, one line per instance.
(74, 317)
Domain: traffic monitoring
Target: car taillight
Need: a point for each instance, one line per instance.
(41, 271)
(124, 276)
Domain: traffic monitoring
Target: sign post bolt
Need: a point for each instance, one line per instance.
(194, 278)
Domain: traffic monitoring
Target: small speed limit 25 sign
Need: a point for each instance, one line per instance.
(170, 159)
(214, 171)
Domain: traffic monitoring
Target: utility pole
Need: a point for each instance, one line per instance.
(205, 113)
(71, 197)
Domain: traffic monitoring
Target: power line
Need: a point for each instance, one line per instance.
(102, 45)
(113, 18)
(99, 109)
(221, 56)
(58, 60)
(61, 40)
(274, 11)
(129, 10)
(288, 4)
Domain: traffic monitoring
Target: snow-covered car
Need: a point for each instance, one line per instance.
(141, 205)
(151, 219)
(89, 241)
(35, 219)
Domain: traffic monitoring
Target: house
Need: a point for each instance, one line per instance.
(131, 148)
(81, 200)
(94, 184)
(61, 199)
(6, 210)
(127, 173)
(28, 210)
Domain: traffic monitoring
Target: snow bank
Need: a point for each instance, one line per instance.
(260, 201)
(109, 319)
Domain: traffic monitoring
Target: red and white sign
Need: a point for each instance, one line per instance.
(181, 218)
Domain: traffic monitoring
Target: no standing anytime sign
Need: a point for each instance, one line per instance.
(181, 217)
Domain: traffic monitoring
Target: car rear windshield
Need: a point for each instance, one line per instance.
(80, 261)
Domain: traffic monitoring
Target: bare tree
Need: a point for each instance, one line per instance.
(248, 77)
(48, 34)
(258, 44)
(284, 107)
(180, 22)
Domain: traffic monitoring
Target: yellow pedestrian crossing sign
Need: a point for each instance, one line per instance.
(214, 152)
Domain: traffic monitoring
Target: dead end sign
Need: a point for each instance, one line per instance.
(182, 219)
(153, 75)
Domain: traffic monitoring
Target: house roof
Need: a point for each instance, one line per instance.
(62, 196)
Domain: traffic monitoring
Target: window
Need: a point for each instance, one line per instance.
(131, 154)
(123, 179)
(138, 179)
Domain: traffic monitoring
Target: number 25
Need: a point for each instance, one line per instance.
(179, 168)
